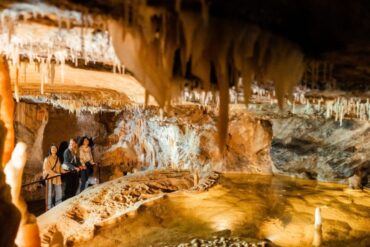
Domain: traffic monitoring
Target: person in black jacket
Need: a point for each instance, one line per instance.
(72, 165)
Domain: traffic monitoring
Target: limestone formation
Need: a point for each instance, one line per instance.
(187, 138)
(161, 86)
(360, 178)
(11, 217)
(108, 204)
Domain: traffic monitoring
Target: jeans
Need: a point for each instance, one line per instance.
(84, 176)
(54, 194)
(71, 180)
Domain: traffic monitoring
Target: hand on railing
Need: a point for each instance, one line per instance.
(44, 180)
(64, 172)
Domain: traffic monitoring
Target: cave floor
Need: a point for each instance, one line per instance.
(276, 208)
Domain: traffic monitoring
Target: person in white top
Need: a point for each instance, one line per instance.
(86, 160)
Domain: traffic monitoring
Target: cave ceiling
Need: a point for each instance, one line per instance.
(211, 44)
(335, 33)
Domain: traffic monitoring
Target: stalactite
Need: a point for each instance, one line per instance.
(205, 10)
(16, 87)
(341, 114)
(150, 55)
(82, 35)
(42, 81)
(52, 72)
(24, 66)
(357, 109)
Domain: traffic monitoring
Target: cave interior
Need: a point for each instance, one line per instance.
(209, 122)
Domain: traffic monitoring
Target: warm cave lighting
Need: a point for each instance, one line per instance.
(223, 223)
(28, 232)
(184, 123)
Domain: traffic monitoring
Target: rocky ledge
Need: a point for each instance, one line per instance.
(79, 218)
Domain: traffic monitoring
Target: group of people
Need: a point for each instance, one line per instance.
(71, 169)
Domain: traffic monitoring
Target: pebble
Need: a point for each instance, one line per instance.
(222, 242)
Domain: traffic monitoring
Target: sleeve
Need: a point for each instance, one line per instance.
(48, 169)
(44, 172)
(78, 162)
(58, 167)
(67, 165)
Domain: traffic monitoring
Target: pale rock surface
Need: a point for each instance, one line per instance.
(318, 148)
(79, 218)
(187, 138)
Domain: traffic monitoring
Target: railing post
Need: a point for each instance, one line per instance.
(99, 172)
(46, 194)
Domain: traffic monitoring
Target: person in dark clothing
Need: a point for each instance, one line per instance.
(62, 147)
(71, 164)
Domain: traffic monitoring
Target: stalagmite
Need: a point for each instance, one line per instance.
(317, 238)
(28, 233)
(6, 110)
(196, 177)
(10, 216)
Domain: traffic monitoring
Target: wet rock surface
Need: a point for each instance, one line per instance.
(251, 208)
(80, 217)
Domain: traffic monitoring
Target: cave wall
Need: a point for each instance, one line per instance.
(318, 148)
(27, 122)
(186, 137)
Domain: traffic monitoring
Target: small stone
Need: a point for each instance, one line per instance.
(194, 242)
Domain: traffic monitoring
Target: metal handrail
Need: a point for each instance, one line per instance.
(48, 178)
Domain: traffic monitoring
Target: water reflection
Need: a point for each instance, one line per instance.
(277, 208)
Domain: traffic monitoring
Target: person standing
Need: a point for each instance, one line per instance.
(72, 165)
(51, 168)
(86, 160)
